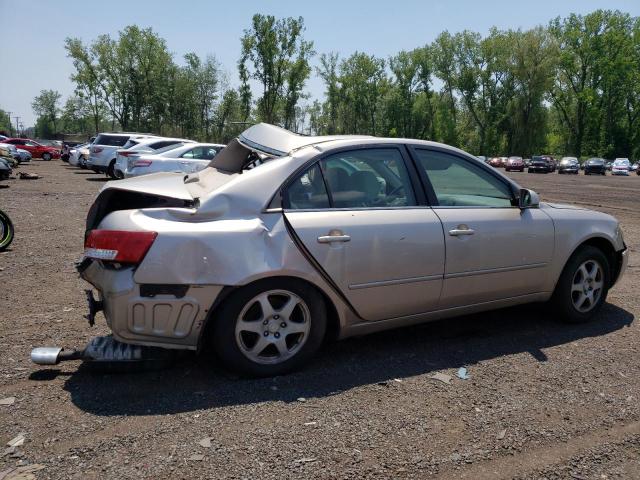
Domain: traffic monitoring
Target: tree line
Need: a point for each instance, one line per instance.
(570, 87)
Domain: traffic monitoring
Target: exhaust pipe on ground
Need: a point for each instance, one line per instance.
(109, 353)
(54, 355)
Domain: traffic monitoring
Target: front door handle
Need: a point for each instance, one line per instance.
(461, 230)
(334, 236)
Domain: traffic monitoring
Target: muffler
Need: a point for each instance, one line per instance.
(54, 355)
(107, 353)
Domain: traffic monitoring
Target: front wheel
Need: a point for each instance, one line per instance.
(583, 285)
(269, 328)
(46, 157)
(6, 231)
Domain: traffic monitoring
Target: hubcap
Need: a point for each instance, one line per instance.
(586, 288)
(273, 326)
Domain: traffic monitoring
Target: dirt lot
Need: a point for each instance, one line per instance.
(545, 400)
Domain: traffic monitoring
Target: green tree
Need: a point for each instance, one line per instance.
(46, 106)
(5, 123)
(275, 54)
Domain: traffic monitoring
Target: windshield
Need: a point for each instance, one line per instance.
(621, 163)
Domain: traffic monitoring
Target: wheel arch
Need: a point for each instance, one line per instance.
(333, 318)
(607, 247)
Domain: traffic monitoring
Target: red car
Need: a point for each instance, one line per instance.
(36, 149)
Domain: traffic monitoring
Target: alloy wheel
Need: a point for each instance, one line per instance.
(587, 285)
(273, 326)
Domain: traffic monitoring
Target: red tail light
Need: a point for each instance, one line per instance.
(128, 154)
(97, 149)
(142, 163)
(118, 245)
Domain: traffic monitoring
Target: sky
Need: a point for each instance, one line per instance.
(33, 56)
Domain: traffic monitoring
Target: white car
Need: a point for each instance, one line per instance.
(189, 158)
(79, 154)
(621, 166)
(102, 156)
(134, 148)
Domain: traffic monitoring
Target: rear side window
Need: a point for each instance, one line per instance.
(308, 191)
(201, 153)
(459, 183)
(163, 143)
(111, 140)
(363, 178)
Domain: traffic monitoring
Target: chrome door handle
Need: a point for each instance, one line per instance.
(334, 238)
(456, 232)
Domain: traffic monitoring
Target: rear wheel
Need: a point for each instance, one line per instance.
(583, 285)
(111, 169)
(46, 156)
(269, 328)
(6, 231)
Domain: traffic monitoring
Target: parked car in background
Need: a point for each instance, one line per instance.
(36, 149)
(286, 242)
(621, 166)
(496, 162)
(11, 150)
(609, 165)
(25, 156)
(527, 162)
(482, 158)
(514, 163)
(596, 166)
(135, 147)
(5, 169)
(189, 158)
(102, 156)
(79, 154)
(569, 165)
(634, 167)
(540, 164)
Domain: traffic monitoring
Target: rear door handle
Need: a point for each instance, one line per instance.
(334, 238)
(461, 230)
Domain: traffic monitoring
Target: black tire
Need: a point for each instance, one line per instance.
(562, 300)
(6, 231)
(529, 171)
(223, 338)
(111, 169)
(46, 157)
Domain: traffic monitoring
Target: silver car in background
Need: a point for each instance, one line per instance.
(286, 241)
(79, 155)
(134, 148)
(189, 158)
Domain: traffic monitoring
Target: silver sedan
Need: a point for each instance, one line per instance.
(189, 158)
(288, 240)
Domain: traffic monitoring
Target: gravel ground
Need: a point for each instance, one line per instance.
(544, 399)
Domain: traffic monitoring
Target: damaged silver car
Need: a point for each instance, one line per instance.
(286, 241)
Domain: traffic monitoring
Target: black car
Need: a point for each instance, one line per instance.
(596, 166)
(569, 165)
(541, 163)
(5, 169)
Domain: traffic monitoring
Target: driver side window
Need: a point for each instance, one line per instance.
(459, 183)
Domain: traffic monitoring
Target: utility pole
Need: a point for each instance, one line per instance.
(10, 127)
(17, 126)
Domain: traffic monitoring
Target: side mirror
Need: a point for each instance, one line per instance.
(528, 199)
